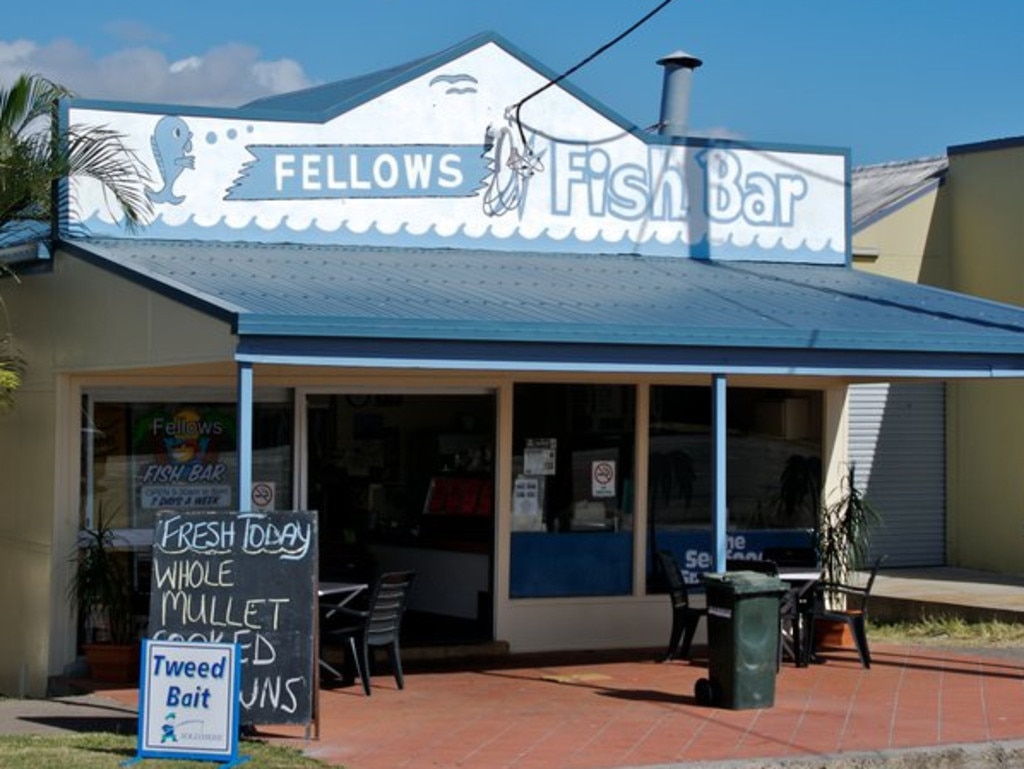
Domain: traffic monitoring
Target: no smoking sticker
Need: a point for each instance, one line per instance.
(263, 493)
(602, 478)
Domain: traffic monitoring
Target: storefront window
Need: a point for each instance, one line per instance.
(773, 456)
(142, 457)
(572, 509)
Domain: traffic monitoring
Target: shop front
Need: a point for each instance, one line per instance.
(404, 477)
(516, 356)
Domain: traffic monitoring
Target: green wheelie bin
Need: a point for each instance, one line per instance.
(743, 639)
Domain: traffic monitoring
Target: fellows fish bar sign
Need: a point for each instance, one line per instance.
(248, 579)
(434, 156)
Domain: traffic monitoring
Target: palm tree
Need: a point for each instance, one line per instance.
(35, 154)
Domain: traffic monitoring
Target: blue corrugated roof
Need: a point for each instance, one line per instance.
(24, 241)
(329, 100)
(21, 232)
(669, 305)
(338, 96)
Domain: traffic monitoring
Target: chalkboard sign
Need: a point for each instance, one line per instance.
(246, 578)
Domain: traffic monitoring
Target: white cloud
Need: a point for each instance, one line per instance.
(15, 51)
(227, 75)
(192, 62)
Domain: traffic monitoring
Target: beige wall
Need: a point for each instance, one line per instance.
(967, 237)
(74, 319)
(987, 225)
(912, 243)
(987, 502)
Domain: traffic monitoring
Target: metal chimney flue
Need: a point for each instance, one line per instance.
(675, 92)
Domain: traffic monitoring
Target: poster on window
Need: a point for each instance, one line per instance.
(184, 458)
(539, 456)
(528, 503)
(602, 478)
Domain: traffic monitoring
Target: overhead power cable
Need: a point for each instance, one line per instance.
(518, 106)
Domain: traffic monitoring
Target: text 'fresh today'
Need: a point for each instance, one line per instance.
(252, 534)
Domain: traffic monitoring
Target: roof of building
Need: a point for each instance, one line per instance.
(335, 97)
(564, 310)
(23, 241)
(877, 190)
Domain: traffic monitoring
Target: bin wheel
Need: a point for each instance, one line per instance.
(704, 691)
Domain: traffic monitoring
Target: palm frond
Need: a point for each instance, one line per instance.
(101, 154)
(35, 154)
(12, 369)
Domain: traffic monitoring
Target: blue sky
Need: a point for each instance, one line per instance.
(889, 79)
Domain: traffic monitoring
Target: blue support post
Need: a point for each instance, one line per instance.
(245, 436)
(720, 513)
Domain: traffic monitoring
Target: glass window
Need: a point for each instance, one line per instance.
(773, 474)
(142, 457)
(572, 507)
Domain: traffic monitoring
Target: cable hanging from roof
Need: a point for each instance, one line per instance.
(526, 162)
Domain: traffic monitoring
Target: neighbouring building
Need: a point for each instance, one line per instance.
(941, 457)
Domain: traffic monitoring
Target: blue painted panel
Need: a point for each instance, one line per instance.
(571, 564)
(693, 549)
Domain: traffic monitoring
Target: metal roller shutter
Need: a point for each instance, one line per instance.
(897, 440)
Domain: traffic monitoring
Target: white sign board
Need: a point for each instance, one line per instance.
(189, 701)
(439, 160)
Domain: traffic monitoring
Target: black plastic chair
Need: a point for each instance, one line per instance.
(855, 615)
(378, 626)
(685, 617)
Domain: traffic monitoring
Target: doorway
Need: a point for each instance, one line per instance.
(406, 481)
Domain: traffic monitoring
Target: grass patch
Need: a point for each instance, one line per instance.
(950, 631)
(99, 750)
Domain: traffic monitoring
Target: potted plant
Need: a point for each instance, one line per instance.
(799, 494)
(102, 592)
(844, 531)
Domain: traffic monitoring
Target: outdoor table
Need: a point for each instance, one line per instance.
(338, 594)
(802, 582)
(333, 596)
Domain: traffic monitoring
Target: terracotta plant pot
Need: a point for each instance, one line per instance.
(832, 634)
(113, 663)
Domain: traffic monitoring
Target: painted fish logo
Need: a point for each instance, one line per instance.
(172, 145)
(187, 444)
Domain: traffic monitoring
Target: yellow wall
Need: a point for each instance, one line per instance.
(987, 503)
(73, 319)
(912, 242)
(987, 225)
(967, 237)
